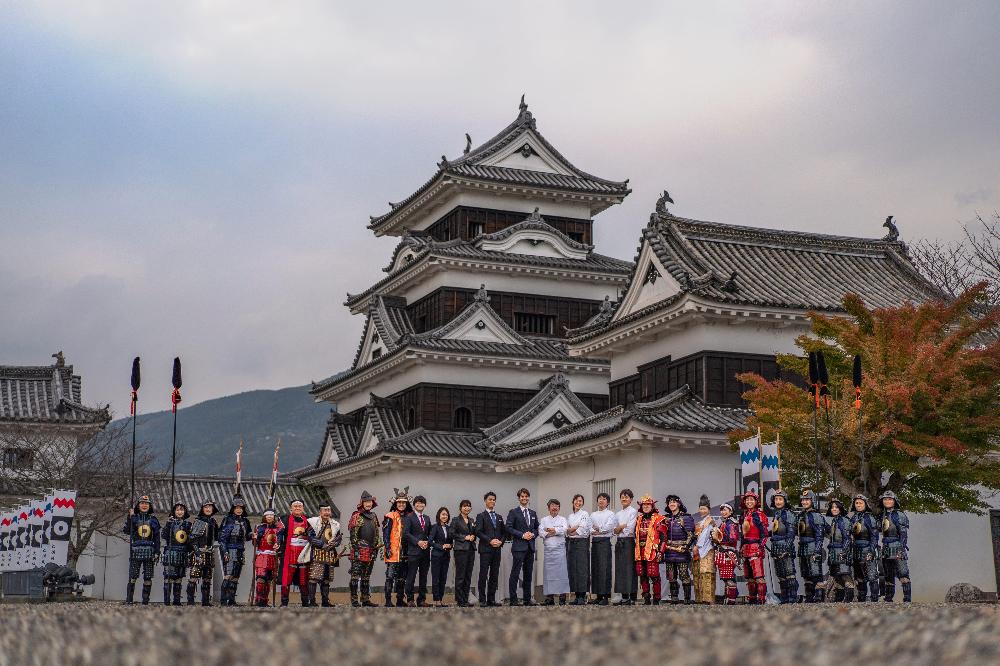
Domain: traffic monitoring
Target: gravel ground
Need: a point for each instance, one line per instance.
(106, 633)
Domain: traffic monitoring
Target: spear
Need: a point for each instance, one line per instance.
(857, 406)
(175, 397)
(824, 380)
(814, 383)
(274, 477)
(134, 409)
(239, 468)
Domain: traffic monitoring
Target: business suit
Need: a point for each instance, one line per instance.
(465, 557)
(418, 560)
(488, 528)
(519, 521)
(441, 536)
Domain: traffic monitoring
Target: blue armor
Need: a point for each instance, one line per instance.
(812, 531)
(176, 551)
(143, 530)
(234, 533)
(783, 549)
(839, 556)
(864, 555)
(895, 528)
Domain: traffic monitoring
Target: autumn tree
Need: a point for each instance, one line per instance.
(929, 422)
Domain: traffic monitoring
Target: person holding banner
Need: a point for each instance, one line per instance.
(754, 546)
(783, 548)
(143, 530)
(176, 552)
(812, 531)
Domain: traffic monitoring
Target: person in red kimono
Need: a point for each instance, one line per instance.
(265, 561)
(650, 542)
(753, 548)
(293, 540)
(727, 551)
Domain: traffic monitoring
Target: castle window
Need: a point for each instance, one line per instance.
(463, 418)
(536, 324)
(377, 353)
(18, 458)
(476, 228)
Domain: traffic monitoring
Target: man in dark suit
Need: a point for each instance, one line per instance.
(416, 534)
(522, 526)
(491, 532)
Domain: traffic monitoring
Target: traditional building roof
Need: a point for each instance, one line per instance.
(387, 322)
(751, 266)
(484, 167)
(477, 331)
(550, 409)
(417, 250)
(680, 410)
(46, 394)
(192, 490)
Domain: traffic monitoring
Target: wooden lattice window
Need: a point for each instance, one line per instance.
(463, 418)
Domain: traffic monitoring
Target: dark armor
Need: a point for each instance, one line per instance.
(783, 550)
(839, 557)
(895, 528)
(176, 553)
(204, 531)
(234, 533)
(864, 554)
(143, 530)
(812, 530)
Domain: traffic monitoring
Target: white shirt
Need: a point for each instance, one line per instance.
(558, 523)
(603, 524)
(581, 520)
(626, 517)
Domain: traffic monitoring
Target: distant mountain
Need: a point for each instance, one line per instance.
(208, 433)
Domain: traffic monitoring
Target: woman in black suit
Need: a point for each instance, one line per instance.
(463, 533)
(441, 546)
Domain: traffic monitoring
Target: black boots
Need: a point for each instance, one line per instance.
(130, 592)
(190, 592)
(324, 595)
(687, 593)
(284, 596)
(907, 591)
(177, 593)
(848, 595)
(147, 588)
(206, 592)
(889, 592)
(355, 587)
(167, 587)
(675, 592)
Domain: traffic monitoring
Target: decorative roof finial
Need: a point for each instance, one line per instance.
(523, 106)
(535, 217)
(443, 164)
(661, 203)
(731, 286)
(893, 230)
(482, 296)
(60, 359)
(606, 306)
(468, 143)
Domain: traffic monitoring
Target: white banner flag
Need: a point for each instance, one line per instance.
(4, 535)
(36, 512)
(769, 472)
(21, 539)
(750, 464)
(44, 541)
(63, 510)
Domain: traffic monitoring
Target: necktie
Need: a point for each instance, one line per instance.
(526, 519)
(493, 518)
(421, 521)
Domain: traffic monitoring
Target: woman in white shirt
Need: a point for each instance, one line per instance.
(578, 542)
(552, 528)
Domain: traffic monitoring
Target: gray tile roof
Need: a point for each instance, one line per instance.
(470, 166)
(426, 248)
(45, 394)
(534, 222)
(680, 410)
(774, 268)
(192, 490)
(392, 323)
(556, 386)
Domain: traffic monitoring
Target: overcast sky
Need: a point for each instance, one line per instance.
(195, 178)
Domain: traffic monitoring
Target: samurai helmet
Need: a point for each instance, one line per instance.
(174, 509)
(861, 497)
(890, 495)
(747, 495)
(675, 498)
(808, 494)
(835, 502)
(705, 502)
(726, 505)
(210, 503)
(647, 499)
(779, 493)
(144, 498)
(237, 501)
(269, 512)
(366, 497)
(402, 495)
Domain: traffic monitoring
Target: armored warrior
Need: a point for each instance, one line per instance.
(812, 532)
(176, 551)
(143, 530)
(233, 536)
(650, 539)
(677, 553)
(783, 548)
(366, 541)
(864, 558)
(727, 551)
(324, 539)
(703, 555)
(753, 548)
(839, 554)
(204, 531)
(895, 529)
(265, 561)
(395, 547)
(294, 566)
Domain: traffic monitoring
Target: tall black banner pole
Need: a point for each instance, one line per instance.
(857, 406)
(135, 413)
(175, 398)
(824, 381)
(814, 383)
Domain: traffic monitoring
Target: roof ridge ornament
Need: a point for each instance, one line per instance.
(731, 287)
(893, 234)
(482, 296)
(444, 163)
(468, 144)
(524, 116)
(661, 203)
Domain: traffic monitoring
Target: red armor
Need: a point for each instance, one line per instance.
(295, 541)
(754, 528)
(265, 540)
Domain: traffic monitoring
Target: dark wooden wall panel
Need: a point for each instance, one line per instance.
(462, 222)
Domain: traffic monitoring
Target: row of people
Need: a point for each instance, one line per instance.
(586, 553)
